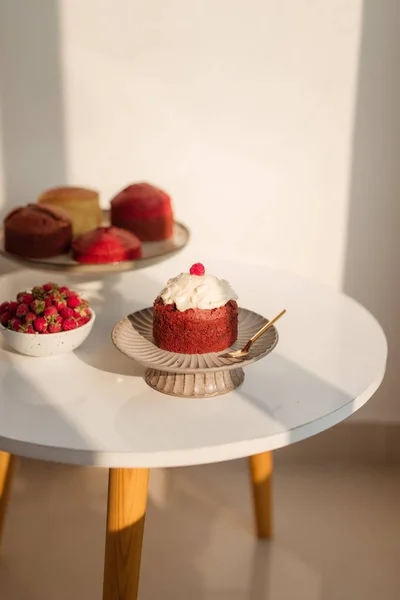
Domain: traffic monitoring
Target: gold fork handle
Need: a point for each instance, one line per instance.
(263, 330)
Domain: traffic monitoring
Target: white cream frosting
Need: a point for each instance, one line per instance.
(197, 291)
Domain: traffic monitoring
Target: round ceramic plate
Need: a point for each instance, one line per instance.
(191, 375)
(153, 253)
(133, 336)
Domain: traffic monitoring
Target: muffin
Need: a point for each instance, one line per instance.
(195, 313)
(106, 245)
(81, 204)
(144, 210)
(37, 231)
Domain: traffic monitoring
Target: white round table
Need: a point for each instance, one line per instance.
(93, 407)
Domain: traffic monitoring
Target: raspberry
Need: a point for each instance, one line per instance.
(37, 306)
(5, 317)
(50, 311)
(54, 327)
(197, 269)
(59, 304)
(4, 307)
(30, 317)
(50, 287)
(69, 324)
(82, 321)
(57, 320)
(15, 324)
(12, 308)
(22, 309)
(66, 312)
(40, 324)
(73, 301)
(82, 310)
(26, 328)
(38, 292)
(27, 298)
(58, 301)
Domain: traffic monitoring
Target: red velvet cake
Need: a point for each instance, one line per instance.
(145, 210)
(37, 231)
(195, 314)
(106, 245)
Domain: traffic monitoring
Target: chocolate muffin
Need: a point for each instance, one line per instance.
(37, 231)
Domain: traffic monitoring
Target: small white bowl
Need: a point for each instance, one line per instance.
(39, 345)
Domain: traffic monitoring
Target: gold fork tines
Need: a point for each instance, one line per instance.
(246, 349)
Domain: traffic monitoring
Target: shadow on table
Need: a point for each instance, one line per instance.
(25, 408)
(110, 306)
(292, 397)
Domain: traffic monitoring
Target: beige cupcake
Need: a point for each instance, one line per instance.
(81, 204)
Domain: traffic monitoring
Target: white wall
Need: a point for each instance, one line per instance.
(226, 103)
(243, 111)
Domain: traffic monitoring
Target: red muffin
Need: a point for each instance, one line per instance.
(195, 314)
(145, 210)
(37, 231)
(106, 245)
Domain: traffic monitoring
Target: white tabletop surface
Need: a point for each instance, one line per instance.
(92, 407)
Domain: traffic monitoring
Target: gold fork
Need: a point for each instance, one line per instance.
(246, 349)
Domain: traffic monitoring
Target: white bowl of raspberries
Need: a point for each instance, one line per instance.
(46, 320)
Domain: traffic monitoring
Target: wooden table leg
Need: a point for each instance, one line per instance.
(7, 463)
(261, 476)
(126, 510)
